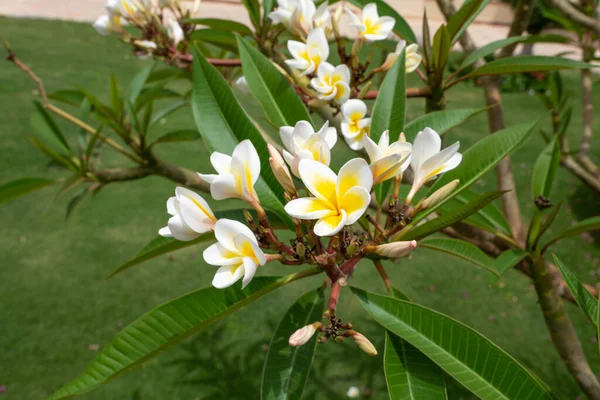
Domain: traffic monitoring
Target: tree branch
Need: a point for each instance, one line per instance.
(577, 16)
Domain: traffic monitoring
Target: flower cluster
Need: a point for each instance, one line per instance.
(163, 31)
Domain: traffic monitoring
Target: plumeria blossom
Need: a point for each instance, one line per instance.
(236, 253)
(428, 160)
(339, 200)
(355, 127)
(387, 161)
(126, 7)
(302, 142)
(236, 174)
(300, 15)
(413, 58)
(106, 24)
(332, 83)
(371, 26)
(175, 32)
(309, 56)
(191, 216)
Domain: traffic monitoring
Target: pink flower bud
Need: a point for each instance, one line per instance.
(396, 249)
(303, 335)
(280, 170)
(364, 344)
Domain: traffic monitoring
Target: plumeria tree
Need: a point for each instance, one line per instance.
(398, 192)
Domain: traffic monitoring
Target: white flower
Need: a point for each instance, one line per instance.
(339, 200)
(332, 83)
(372, 27)
(175, 32)
(242, 85)
(236, 253)
(191, 216)
(106, 24)
(237, 173)
(353, 392)
(322, 16)
(308, 56)
(387, 160)
(355, 127)
(126, 7)
(146, 44)
(303, 335)
(428, 160)
(300, 15)
(413, 58)
(302, 142)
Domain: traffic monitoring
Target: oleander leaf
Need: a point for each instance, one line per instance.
(21, 187)
(586, 301)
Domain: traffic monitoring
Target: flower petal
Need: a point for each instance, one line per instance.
(285, 132)
(355, 172)
(426, 144)
(355, 203)
(308, 208)
(373, 150)
(370, 13)
(165, 232)
(330, 225)
(319, 179)
(171, 208)
(249, 271)
(328, 134)
(227, 276)
(227, 229)
(436, 164)
(224, 187)
(195, 211)
(247, 154)
(180, 230)
(217, 254)
(221, 162)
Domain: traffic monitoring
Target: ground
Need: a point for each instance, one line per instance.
(56, 307)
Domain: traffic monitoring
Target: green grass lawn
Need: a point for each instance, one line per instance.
(55, 303)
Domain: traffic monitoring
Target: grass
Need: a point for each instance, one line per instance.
(55, 302)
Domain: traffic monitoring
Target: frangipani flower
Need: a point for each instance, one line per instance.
(355, 127)
(413, 58)
(302, 142)
(125, 7)
(387, 160)
(106, 24)
(191, 216)
(310, 55)
(322, 16)
(175, 32)
(237, 173)
(428, 160)
(236, 253)
(332, 83)
(339, 200)
(300, 15)
(371, 26)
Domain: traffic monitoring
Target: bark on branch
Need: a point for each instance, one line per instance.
(571, 12)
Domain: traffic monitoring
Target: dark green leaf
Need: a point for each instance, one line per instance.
(544, 170)
(48, 130)
(222, 25)
(115, 95)
(137, 84)
(490, 48)
(223, 39)
(439, 121)
(440, 50)
(20, 187)
(59, 158)
(461, 249)
(508, 259)
(73, 97)
(474, 361)
(586, 301)
(590, 224)
(286, 367)
(184, 135)
(519, 64)
(401, 28)
(463, 17)
(165, 112)
(390, 106)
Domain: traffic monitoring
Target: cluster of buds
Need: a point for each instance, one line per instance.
(162, 27)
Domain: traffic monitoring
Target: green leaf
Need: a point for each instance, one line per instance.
(165, 112)
(267, 8)
(278, 98)
(48, 130)
(222, 25)
(286, 368)
(439, 121)
(440, 50)
(426, 39)
(59, 158)
(165, 326)
(470, 358)
(445, 220)
(157, 247)
(223, 39)
(137, 83)
(72, 97)
(409, 374)
(401, 28)
(480, 158)
(519, 64)
(253, 8)
(390, 106)
(544, 170)
(222, 124)
(586, 301)
(508, 259)
(489, 49)
(184, 135)
(115, 95)
(463, 17)
(461, 249)
(20, 187)
(590, 224)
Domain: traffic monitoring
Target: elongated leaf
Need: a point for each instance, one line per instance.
(286, 368)
(48, 130)
(390, 106)
(184, 135)
(439, 121)
(222, 25)
(137, 84)
(587, 225)
(463, 17)
(519, 64)
(490, 48)
(72, 97)
(165, 112)
(440, 50)
(454, 216)
(409, 374)
(469, 357)
(401, 28)
(480, 158)
(544, 170)
(461, 249)
(489, 218)
(508, 259)
(222, 124)
(59, 158)
(20, 187)
(253, 8)
(115, 95)
(279, 100)
(586, 301)
(223, 39)
(163, 327)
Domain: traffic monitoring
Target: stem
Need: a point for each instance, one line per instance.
(410, 92)
(334, 295)
(588, 117)
(561, 330)
(384, 275)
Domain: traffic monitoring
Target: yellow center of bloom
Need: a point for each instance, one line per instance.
(434, 172)
(203, 209)
(370, 27)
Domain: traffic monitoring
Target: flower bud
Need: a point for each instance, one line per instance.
(364, 344)
(364, 90)
(352, 249)
(396, 249)
(301, 250)
(438, 196)
(146, 44)
(280, 170)
(303, 335)
(353, 392)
